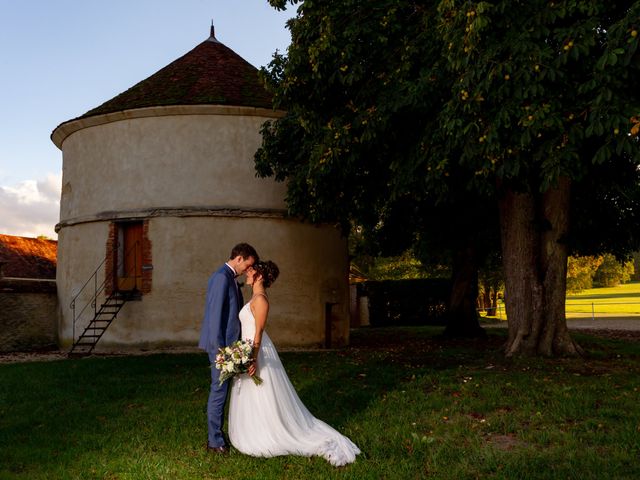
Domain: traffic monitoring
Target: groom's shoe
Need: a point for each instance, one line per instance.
(223, 450)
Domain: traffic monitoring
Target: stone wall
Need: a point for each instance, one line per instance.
(28, 314)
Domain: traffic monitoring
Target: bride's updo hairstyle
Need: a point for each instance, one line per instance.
(268, 271)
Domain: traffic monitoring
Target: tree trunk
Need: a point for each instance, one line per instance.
(462, 316)
(494, 298)
(489, 306)
(533, 233)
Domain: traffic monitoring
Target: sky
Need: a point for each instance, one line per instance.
(61, 58)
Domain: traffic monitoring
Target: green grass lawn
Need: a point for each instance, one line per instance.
(620, 301)
(623, 300)
(417, 406)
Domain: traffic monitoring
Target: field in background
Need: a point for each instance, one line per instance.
(620, 301)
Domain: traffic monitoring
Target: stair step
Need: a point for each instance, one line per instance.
(101, 321)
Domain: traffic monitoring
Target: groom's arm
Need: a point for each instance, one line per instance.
(215, 309)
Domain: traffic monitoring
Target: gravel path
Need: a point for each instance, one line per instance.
(621, 328)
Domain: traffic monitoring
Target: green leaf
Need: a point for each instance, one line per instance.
(589, 131)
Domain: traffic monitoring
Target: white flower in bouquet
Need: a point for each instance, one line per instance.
(235, 359)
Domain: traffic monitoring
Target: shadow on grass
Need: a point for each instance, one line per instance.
(79, 414)
(92, 417)
(379, 360)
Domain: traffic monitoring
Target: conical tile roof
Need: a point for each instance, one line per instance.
(210, 74)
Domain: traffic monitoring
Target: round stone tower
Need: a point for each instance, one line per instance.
(158, 186)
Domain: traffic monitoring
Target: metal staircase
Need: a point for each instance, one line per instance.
(100, 317)
(106, 314)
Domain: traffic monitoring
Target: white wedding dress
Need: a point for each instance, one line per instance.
(269, 419)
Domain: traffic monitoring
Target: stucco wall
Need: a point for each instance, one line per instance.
(192, 176)
(313, 271)
(176, 161)
(28, 314)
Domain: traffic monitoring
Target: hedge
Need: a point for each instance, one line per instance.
(406, 302)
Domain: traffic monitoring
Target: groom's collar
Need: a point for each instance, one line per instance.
(233, 270)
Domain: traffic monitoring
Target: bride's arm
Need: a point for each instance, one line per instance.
(260, 309)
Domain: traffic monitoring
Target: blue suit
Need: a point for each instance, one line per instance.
(220, 327)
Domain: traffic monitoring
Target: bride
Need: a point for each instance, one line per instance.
(269, 419)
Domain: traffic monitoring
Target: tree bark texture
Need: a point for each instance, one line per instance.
(533, 228)
(462, 319)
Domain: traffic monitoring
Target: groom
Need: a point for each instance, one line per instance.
(221, 327)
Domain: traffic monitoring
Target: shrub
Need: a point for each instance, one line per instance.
(580, 272)
(612, 272)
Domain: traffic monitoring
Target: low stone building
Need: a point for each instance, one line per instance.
(28, 300)
(159, 184)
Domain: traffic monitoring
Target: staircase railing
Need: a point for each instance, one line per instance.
(98, 289)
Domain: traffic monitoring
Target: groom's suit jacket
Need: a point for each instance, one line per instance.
(221, 325)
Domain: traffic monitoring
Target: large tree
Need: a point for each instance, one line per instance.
(401, 110)
(542, 98)
(359, 94)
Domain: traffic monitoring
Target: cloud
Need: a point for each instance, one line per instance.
(31, 208)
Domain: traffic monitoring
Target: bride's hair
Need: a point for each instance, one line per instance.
(268, 271)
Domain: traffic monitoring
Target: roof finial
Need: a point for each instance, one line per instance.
(212, 37)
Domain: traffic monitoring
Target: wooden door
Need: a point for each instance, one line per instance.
(130, 271)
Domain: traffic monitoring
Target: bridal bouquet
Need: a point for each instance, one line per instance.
(235, 359)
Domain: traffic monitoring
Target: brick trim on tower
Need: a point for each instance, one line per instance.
(147, 260)
(111, 258)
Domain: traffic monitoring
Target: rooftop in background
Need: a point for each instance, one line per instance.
(210, 74)
(24, 257)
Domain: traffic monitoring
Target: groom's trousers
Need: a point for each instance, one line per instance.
(215, 405)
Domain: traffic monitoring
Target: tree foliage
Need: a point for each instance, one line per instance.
(542, 89)
(636, 266)
(391, 105)
(412, 119)
(358, 91)
(612, 272)
(580, 272)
